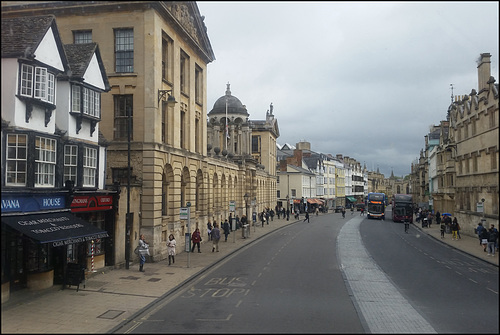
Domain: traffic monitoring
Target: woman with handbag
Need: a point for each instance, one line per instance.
(196, 238)
(143, 251)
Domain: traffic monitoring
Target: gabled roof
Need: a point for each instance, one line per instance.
(21, 36)
(84, 59)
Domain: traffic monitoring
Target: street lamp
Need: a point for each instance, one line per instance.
(170, 100)
(254, 204)
(287, 204)
(246, 197)
(483, 220)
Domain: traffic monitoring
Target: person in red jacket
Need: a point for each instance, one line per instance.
(196, 238)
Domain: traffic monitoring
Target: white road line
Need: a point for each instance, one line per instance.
(384, 309)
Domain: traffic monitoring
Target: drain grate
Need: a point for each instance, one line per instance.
(111, 314)
(154, 279)
(130, 277)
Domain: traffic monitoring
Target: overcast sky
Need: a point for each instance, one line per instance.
(361, 79)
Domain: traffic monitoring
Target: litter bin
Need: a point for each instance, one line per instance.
(424, 223)
(244, 231)
(447, 229)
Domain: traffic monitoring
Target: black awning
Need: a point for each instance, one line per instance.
(59, 228)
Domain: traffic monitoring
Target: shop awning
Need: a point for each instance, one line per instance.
(59, 228)
(351, 199)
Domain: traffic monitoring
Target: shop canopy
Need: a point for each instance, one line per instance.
(351, 199)
(59, 228)
(315, 201)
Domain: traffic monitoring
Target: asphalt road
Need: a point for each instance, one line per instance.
(334, 275)
(452, 290)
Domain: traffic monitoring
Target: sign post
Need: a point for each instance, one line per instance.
(185, 215)
(232, 209)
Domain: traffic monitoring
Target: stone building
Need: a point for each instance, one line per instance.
(458, 171)
(162, 152)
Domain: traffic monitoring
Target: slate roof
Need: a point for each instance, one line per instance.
(22, 35)
(79, 56)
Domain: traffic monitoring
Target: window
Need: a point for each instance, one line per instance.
(75, 99)
(166, 58)
(97, 220)
(70, 162)
(27, 80)
(45, 161)
(124, 50)
(82, 36)
(184, 73)
(89, 166)
(164, 116)
(183, 129)
(37, 82)
(16, 159)
(91, 103)
(255, 144)
(123, 108)
(198, 85)
(39, 257)
(493, 158)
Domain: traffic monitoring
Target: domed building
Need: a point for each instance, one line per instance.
(231, 133)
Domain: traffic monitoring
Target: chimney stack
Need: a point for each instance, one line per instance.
(484, 71)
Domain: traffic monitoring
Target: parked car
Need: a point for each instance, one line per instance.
(338, 209)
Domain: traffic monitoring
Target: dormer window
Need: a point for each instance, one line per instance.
(37, 83)
(86, 101)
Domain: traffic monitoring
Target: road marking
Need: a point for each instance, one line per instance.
(383, 308)
(216, 320)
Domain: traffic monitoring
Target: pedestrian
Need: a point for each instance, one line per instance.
(171, 248)
(143, 251)
(307, 217)
(215, 237)
(458, 231)
(271, 213)
(483, 236)
(225, 227)
(479, 229)
(343, 212)
(454, 229)
(443, 226)
(237, 222)
(267, 216)
(492, 240)
(429, 219)
(287, 214)
(362, 212)
(196, 238)
(352, 209)
(209, 230)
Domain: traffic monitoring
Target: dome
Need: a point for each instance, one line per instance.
(234, 105)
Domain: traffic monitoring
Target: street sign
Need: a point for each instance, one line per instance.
(184, 215)
(480, 207)
(232, 206)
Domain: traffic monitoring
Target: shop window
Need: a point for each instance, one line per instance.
(39, 257)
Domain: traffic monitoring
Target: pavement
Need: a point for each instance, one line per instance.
(113, 295)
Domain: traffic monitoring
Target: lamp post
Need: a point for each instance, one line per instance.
(246, 197)
(287, 204)
(254, 204)
(483, 220)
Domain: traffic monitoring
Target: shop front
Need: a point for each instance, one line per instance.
(39, 238)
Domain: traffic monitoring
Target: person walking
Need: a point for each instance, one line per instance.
(209, 230)
(352, 209)
(225, 227)
(215, 237)
(307, 217)
(287, 214)
(196, 238)
(343, 212)
(143, 251)
(454, 229)
(442, 224)
(492, 240)
(362, 212)
(429, 219)
(171, 244)
(483, 236)
(479, 229)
